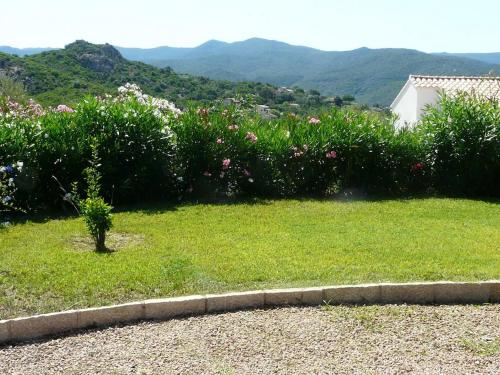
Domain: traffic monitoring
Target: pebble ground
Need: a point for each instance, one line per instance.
(319, 340)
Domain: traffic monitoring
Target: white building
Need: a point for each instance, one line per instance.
(421, 91)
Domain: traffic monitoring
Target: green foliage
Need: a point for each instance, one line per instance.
(221, 152)
(462, 140)
(136, 144)
(346, 149)
(95, 211)
(97, 215)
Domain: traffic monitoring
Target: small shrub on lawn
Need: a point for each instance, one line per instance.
(95, 211)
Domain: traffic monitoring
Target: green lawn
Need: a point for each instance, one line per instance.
(212, 248)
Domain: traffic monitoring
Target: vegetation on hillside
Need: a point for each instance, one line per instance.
(373, 76)
(67, 75)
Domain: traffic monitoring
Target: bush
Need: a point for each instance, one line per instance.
(152, 151)
(462, 141)
(95, 211)
(97, 215)
(294, 155)
(131, 132)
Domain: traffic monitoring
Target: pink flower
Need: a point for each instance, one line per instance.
(251, 137)
(202, 112)
(35, 108)
(233, 127)
(246, 172)
(314, 121)
(225, 164)
(207, 174)
(220, 141)
(64, 108)
(331, 155)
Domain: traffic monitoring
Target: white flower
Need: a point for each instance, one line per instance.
(7, 199)
(20, 165)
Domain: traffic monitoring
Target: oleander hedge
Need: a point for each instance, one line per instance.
(151, 151)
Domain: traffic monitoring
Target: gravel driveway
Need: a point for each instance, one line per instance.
(319, 340)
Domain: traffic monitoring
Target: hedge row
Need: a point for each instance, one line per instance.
(150, 152)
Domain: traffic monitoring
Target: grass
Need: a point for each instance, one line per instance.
(482, 348)
(369, 317)
(45, 266)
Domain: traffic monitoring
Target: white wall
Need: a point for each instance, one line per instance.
(406, 107)
(412, 103)
(426, 96)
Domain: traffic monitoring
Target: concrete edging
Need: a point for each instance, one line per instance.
(27, 328)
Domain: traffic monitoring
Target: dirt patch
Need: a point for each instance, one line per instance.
(115, 241)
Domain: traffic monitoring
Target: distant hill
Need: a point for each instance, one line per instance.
(23, 51)
(373, 76)
(65, 75)
(489, 58)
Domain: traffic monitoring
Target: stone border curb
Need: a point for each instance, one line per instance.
(26, 328)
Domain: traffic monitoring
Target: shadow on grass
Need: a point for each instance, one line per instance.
(159, 207)
(154, 208)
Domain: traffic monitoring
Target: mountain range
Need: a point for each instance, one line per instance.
(373, 76)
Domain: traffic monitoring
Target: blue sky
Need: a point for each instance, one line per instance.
(427, 25)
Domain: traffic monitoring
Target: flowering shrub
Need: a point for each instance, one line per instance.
(225, 152)
(64, 108)
(132, 134)
(153, 151)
